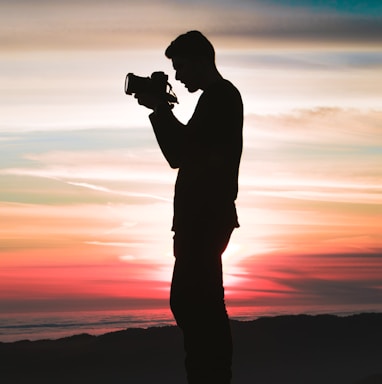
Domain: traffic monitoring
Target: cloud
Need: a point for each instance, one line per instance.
(115, 192)
(333, 279)
(315, 152)
(315, 61)
(361, 288)
(334, 126)
(83, 168)
(115, 23)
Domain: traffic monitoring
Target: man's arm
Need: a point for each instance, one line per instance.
(169, 132)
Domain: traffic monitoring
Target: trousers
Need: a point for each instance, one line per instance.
(198, 305)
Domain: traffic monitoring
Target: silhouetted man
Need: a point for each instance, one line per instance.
(207, 152)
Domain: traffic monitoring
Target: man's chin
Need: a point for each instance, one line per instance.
(191, 89)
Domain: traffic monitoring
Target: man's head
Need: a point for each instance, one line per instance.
(193, 58)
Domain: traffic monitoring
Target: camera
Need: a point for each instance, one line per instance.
(156, 84)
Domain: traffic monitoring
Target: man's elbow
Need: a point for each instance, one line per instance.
(172, 159)
(174, 164)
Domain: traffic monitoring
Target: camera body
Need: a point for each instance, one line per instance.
(156, 84)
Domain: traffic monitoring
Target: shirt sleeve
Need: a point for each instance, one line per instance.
(169, 132)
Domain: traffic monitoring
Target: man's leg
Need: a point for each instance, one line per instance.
(197, 302)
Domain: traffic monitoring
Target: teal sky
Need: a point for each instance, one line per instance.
(357, 7)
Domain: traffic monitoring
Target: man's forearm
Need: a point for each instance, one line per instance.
(169, 132)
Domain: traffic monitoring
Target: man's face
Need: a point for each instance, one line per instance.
(187, 72)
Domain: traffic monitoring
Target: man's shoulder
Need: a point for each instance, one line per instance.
(223, 85)
(223, 89)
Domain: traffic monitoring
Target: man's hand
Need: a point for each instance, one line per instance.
(148, 100)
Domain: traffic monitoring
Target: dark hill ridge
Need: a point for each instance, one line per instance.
(297, 349)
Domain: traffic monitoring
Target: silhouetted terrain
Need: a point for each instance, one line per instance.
(276, 350)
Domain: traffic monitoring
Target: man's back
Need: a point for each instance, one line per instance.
(207, 182)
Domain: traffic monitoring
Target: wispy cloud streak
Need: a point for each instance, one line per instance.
(117, 24)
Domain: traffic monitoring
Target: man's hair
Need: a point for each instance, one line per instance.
(192, 44)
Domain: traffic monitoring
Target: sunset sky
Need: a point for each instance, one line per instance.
(86, 196)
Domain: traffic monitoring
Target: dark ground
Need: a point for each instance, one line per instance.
(276, 350)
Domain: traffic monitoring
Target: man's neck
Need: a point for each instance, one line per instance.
(211, 77)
